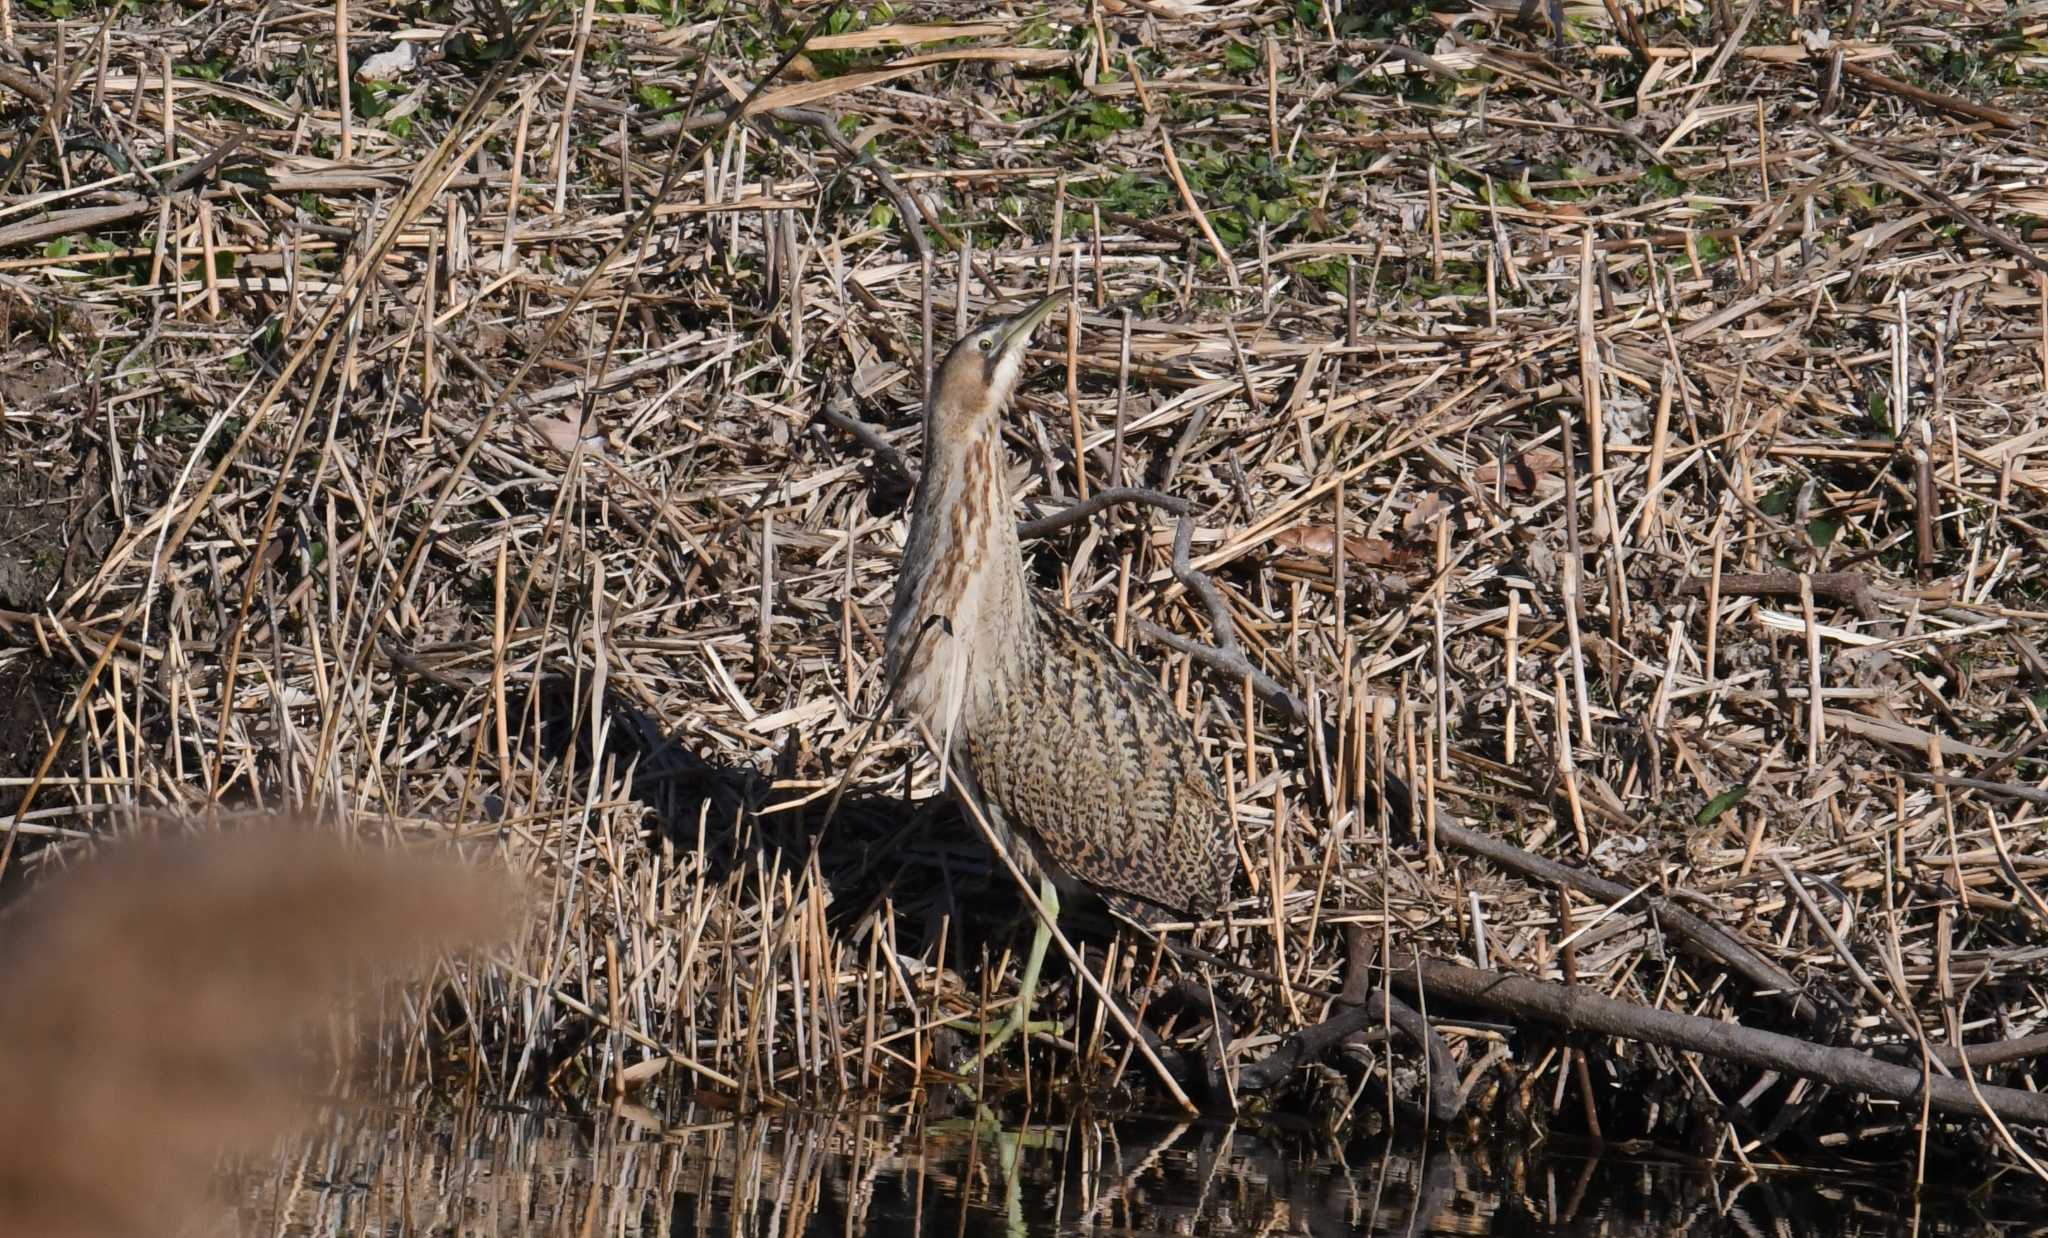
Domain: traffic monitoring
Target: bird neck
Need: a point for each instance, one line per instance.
(966, 515)
(962, 603)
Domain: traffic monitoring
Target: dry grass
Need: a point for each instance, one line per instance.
(463, 466)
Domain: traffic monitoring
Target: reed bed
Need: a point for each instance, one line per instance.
(1618, 447)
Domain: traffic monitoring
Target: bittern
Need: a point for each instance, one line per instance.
(1077, 759)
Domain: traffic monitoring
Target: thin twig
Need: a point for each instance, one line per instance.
(906, 209)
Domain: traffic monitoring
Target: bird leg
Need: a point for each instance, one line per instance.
(1020, 1013)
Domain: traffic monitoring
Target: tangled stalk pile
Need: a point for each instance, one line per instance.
(1617, 451)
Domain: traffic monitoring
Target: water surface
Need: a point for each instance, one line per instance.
(438, 1171)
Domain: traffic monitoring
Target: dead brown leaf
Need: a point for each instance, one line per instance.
(1320, 540)
(1432, 506)
(1524, 469)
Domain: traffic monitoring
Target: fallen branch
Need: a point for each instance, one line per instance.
(1980, 1056)
(25, 86)
(1852, 588)
(1699, 936)
(1927, 98)
(1994, 1053)
(85, 219)
(1360, 1007)
(2004, 790)
(1193, 996)
(1584, 1010)
(1915, 186)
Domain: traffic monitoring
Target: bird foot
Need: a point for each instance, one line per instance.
(1000, 1031)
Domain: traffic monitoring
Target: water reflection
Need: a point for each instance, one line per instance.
(471, 1172)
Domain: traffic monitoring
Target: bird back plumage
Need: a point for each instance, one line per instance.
(1079, 750)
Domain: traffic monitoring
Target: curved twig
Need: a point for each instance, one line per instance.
(1231, 662)
(1225, 656)
(1102, 500)
(1360, 1007)
(810, 118)
(837, 410)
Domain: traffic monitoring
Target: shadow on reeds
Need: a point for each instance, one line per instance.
(922, 859)
(158, 997)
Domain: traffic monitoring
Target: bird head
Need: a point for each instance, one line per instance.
(979, 375)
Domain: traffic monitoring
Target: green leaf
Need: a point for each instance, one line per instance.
(654, 98)
(1722, 803)
(1110, 118)
(1662, 181)
(1779, 501)
(1239, 58)
(59, 248)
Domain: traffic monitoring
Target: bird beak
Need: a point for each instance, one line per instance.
(1018, 332)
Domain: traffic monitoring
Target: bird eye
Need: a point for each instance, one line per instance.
(987, 343)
